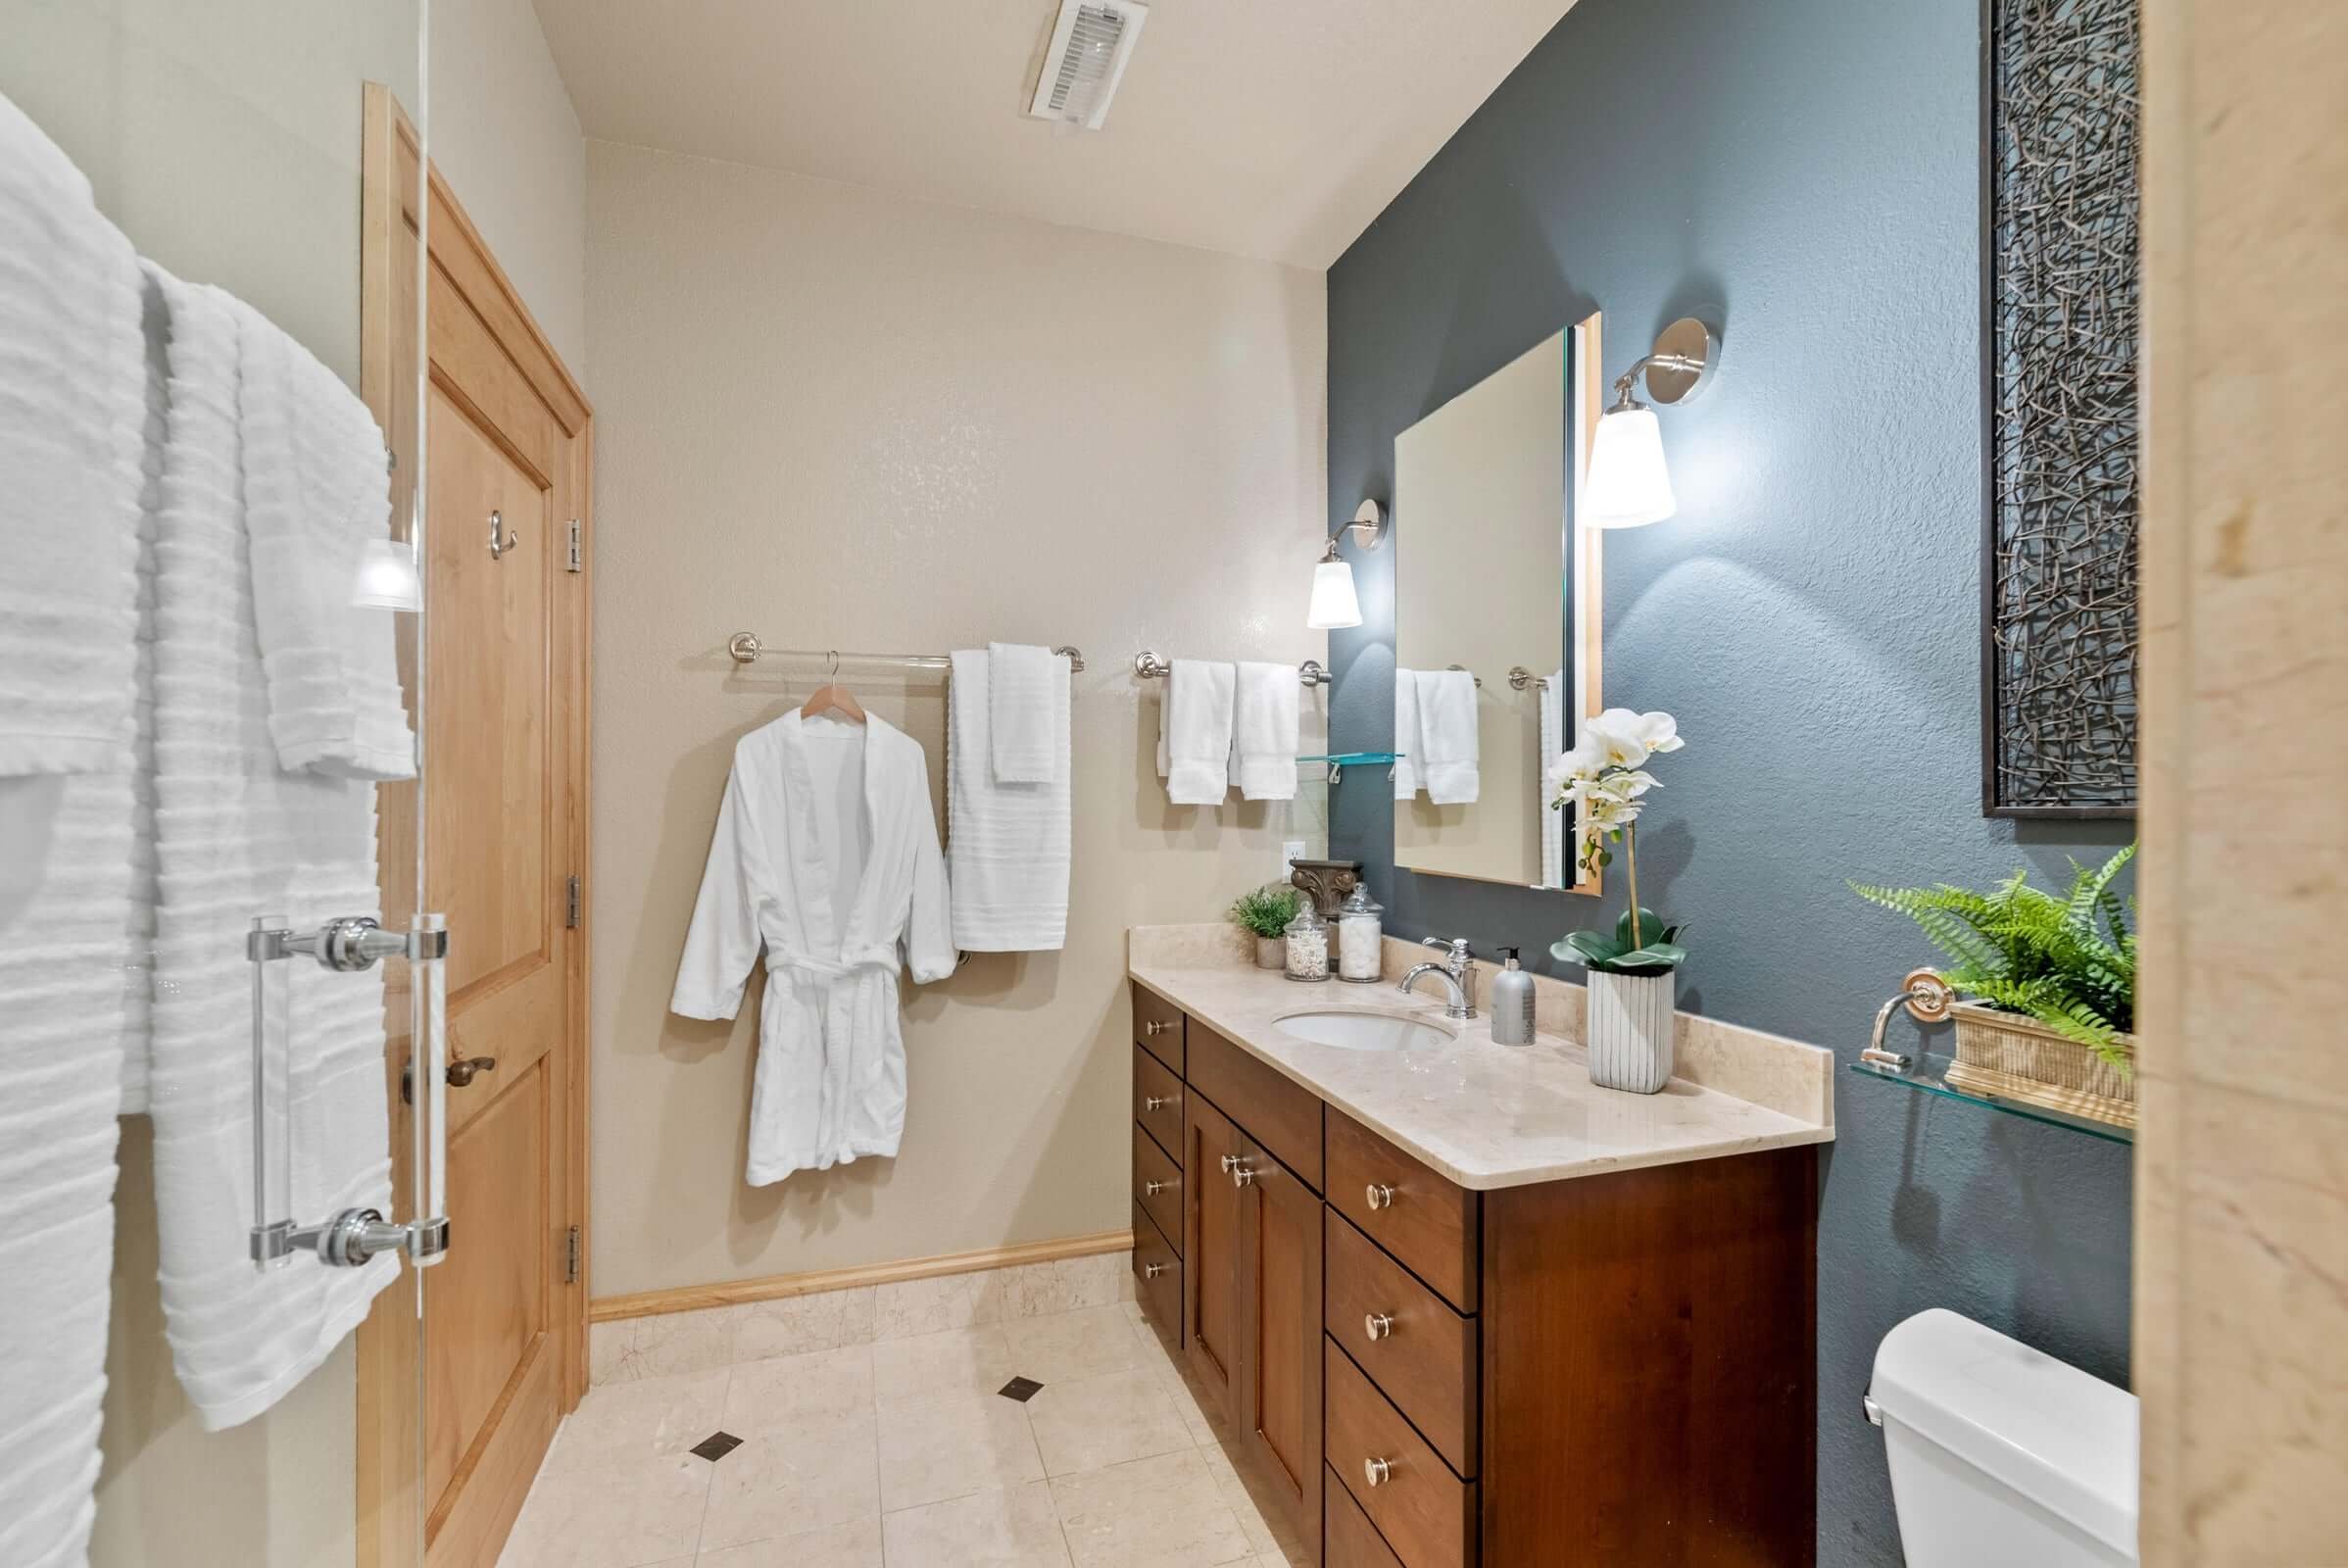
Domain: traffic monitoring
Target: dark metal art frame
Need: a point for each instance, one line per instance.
(2059, 417)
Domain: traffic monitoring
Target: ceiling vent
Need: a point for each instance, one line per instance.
(1090, 44)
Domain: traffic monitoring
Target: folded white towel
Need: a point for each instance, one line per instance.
(1006, 844)
(317, 491)
(1448, 742)
(1552, 746)
(70, 375)
(1026, 687)
(1408, 742)
(72, 991)
(1195, 732)
(1264, 729)
(236, 836)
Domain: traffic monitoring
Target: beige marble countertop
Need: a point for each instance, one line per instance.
(1485, 1115)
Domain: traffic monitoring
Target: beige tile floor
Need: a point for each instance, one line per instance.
(900, 1454)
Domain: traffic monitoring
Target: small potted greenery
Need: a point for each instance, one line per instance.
(1629, 1026)
(2054, 981)
(1264, 913)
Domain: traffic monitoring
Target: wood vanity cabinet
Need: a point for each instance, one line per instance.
(1610, 1369)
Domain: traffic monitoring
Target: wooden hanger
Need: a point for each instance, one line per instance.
(834, 698)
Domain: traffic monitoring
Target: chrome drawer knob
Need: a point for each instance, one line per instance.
(1237, 1167)
(1152, 1189)
(1155, 1102)
(1150, 1271)
(1157, 1026)
(1379, 1325)
(1381, 1196)
(1378, 1472)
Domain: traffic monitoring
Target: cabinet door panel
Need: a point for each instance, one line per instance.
(1280, 1407)
(1210, 1249)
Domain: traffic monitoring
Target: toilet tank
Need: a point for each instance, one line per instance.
(2000, 1455)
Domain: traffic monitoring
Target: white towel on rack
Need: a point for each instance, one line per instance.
(238, 835)
(1408, 744)
(1027, 710)
(1007, 843)
(71, 373)
(1264, 729)
(71, 988)
(1448, 741)
(1552, 747)
(317, 492)
(1195, 731)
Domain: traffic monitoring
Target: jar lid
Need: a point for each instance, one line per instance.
(1307, 918)
(1362, 902)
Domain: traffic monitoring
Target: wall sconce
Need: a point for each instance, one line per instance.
(1630, 483)
(1334, 602)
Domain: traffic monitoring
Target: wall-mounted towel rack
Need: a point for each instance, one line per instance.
(1463, 670)
(1149, 667)
(1518, 677)
(748, 649)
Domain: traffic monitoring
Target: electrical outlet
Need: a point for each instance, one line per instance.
(1290, 854)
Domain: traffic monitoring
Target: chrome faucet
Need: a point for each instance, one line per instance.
(1459, 975)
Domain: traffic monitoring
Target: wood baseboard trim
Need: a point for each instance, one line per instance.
(780, 1286)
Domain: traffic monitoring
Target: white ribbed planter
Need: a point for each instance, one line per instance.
(1630, 1031)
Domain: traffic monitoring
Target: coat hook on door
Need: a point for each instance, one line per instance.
(500, 537)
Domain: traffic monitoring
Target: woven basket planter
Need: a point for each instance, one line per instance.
(2013, 1057)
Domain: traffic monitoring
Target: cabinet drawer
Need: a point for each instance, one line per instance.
(1272, 1110)
(1157, 1027)
(1347, 1538)
(1432, 1227)
(1156, 1183)
(1157, 1100)
(1423, 1355)
(1157, 1274)
(1426, 1513)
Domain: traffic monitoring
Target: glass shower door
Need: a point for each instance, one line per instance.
(220, 1057)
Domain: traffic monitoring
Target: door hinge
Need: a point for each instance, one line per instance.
(570, 906)
(578, 548)
(570, 1257)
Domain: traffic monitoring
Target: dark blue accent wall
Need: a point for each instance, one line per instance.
(1801, 174)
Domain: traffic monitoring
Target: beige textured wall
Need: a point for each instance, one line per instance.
(2242, 1246)
(224, 140)
(839, 418)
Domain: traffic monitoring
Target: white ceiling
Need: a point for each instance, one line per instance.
(1273, 128)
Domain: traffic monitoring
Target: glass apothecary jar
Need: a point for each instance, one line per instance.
(1360, 939)
(1307, 945)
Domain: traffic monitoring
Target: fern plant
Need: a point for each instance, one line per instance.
(1266, 910)
(2069, 961)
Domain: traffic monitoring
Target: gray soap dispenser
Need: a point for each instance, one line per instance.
(1511, 1004)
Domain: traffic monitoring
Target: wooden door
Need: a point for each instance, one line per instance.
(504, 835)
(1211, 1251)
(1280, 1336)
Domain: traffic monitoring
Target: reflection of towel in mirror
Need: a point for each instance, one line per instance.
(1448, 744)
(1552, 747)
(1264, 731)
(1406, 734)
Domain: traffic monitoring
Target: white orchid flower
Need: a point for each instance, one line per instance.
(1660, 731)
(1615, 737)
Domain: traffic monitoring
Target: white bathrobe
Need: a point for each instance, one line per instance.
(826, 853)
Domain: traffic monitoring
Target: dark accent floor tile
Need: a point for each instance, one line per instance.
(1021, 1389)
(716, 1446)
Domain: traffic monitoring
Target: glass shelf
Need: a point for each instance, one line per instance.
(1338, 761)
(1927, 1077)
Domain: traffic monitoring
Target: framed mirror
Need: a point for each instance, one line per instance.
(1498, 617)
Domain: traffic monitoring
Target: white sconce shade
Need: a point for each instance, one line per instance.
(387, 578)
(1334, 602)
(1629, 484)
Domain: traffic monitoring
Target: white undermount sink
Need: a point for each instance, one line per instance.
(1364, 1031)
